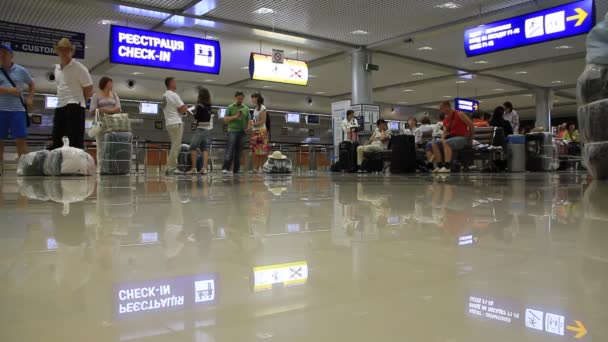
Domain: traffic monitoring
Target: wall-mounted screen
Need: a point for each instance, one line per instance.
(50, 102)
(222, 113)
(313, 119)
(292, 118)
(148, 108)
(394, 125)
(163, 50)
(291, 71)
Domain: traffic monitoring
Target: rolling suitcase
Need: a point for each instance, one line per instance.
(115, 154)
(348, 156)
(373, 162)
(184, 160)
(403, 157)
(539, 151)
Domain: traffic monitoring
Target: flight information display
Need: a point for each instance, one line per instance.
(559, 22)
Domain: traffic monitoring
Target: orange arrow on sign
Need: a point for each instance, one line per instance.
(476, 107)
(581, 15)
(579, 329)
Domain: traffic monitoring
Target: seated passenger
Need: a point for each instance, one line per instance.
(459, 131)
(479, 119)
(425, 131)
(411, 126)
(499, 121)
(437, 134)
(561, 130)
(378, 141)
(571, 135)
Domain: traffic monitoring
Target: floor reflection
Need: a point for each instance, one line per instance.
(321, 257)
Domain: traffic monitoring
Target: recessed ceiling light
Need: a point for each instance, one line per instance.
(86, 47)
(408, 90)
(425, 48)
(448, 5)
(245, 68)
(529, 95)
(563, 47)
(480, 101)
(557, 82)
(210, 80)
(359, 32)
(555, 101)
(499, 89)
(461, 82)
(320, 92)
(312, 76)
(211, 37)
(138, 73)
(264, 10)
(448, 96)
(106, 22)
(482, 62)
(418, 74)
(521, 72)
(267, 86)
(402, 102)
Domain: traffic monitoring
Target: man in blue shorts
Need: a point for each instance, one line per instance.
(13, 79)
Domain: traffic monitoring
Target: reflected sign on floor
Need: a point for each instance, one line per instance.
(161, 295)
(290, 274)
(559, 22)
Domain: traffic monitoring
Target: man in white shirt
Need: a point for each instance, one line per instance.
(74, 88)
(511, 116)
(378, 141)
(173, 108)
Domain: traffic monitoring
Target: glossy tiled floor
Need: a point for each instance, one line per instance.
(305, 258)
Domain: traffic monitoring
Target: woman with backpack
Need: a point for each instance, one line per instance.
(201, 140)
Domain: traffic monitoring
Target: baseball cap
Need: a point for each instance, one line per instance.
(7, 48)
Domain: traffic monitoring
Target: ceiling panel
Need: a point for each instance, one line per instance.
(394, 70)
(164, 4)
(546, 74)
(335, 20)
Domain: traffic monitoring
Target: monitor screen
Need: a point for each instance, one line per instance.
(394, 125)
(148, 108)
(151, 237)
(293, 118)
(50, 102)
(222, 112)
(312, 119)
(88, 124)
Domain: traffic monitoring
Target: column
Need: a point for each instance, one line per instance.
(362, 79)
(544, 107)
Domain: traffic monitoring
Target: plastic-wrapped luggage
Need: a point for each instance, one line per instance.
(593, 84)
(277, 166)
(184, 161)
(116, 149)
(593, 121)
(69, 161)
(32, 164)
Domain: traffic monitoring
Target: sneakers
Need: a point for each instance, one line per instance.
(204, 172)
(225, 172)
(435, 170)
(444, 170)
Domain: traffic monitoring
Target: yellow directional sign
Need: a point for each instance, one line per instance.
(581, 15)
(579, 329)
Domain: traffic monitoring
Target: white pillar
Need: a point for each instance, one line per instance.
(362, 79)
(544, 107)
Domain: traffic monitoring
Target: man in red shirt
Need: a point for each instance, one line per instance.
(458, 132)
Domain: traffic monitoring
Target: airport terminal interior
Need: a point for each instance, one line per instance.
(304, 170)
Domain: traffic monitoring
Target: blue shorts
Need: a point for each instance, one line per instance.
(13, 122)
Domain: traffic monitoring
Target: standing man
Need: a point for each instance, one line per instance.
(458, 131)
(237, 117)
(13, 108)
(511, 116)
(174, 108)
(74, 88)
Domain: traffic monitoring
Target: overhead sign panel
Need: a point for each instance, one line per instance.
(291, 71)
(162, 50)
(466, 105)
(559, 22)
(38, 40)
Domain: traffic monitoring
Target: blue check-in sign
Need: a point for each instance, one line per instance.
(162, 50)
(559, 22)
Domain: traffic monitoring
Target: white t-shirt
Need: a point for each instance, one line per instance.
(383, 144)
(348, 125)
(256, 118)
(70, 81)
(171, 102)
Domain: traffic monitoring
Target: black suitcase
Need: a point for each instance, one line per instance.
(403, 158)
(348, 156)
(373, 162)
(536, 153)
(184, 160)
(116, 153)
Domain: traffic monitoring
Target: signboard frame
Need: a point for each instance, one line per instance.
(39, 33)
(286, 62)
(458, 105)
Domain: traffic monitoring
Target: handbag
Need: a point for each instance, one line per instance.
(97, 127)
(28, 120)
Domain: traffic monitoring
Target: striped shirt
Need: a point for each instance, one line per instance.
(22, 78)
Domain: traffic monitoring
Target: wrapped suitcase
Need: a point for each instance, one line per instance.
(184, 160)
(32, 164)
(403, 159)
(69, 161)
(116, 150)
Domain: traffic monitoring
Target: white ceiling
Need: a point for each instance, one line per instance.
(319, 31)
